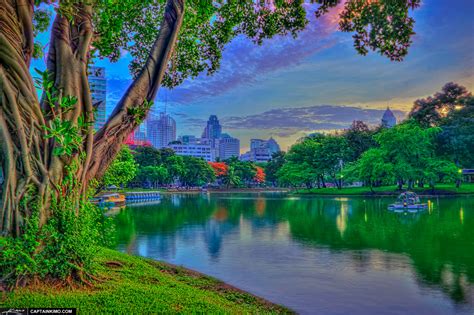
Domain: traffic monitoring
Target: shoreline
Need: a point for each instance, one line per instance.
(137, 285)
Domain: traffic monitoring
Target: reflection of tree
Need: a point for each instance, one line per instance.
(440, 242)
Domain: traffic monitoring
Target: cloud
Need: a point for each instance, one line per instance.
(245, 63)
(285, 122)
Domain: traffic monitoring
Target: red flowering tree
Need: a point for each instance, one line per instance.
(259, 175)
(220, 168)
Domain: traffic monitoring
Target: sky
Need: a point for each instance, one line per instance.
(288, 87)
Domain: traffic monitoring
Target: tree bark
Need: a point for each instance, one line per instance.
(108, 140)
(27, 157)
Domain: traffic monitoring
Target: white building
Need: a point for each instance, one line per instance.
(227, 147)
(261, 150)
(204, 151)
(161, 131)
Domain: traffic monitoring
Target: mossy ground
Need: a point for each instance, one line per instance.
(440, 189)
(134, 285)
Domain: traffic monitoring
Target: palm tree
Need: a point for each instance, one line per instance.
(231, 178)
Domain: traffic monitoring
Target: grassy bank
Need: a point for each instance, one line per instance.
(441, 189)
(134, 285)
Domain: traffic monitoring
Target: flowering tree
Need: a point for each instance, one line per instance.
(220, 168)
(259, 175)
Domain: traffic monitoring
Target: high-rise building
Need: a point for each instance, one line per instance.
(261, 150)
(98, 88)
(213, 129)
(161, 131)
(227, 147)
(388, 119)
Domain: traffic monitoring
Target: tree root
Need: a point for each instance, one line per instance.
(113, 264)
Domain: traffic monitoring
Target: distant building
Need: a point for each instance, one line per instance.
(161, 131)
(388, 119)
(261, 150)
(213, 128)
(468, 175)
(227, 147)
(134, 140)
(188, 139)
(204, 151)
(98, 88)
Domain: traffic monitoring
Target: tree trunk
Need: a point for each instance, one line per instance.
(33, 170)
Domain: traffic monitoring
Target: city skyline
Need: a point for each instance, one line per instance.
(287, 88)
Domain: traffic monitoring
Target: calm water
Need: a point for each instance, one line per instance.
(317, 255)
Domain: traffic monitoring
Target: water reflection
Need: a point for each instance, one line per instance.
(434, 248)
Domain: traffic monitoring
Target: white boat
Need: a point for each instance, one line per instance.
(408, 201)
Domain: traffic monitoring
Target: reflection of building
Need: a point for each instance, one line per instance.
(204, 151)
(261, 150)
(161, 131)
(388, 119)
(98, 87)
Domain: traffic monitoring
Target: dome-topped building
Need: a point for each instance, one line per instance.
(388, 119)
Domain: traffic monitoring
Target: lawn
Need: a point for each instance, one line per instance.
(134, 285)
(440, 189)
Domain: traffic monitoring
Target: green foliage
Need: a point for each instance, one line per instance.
(41, 20)
(139, 112)
(273, 166)
(196, 172)
(156, 174)
(434, 110)
(372, 168)
(208, 26)
(456, 139)
(122, 170)
(231, 179)
(359, 138)
(65, 246)
(68, 135)
(147, 156)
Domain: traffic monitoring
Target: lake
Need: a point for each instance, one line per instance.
(316, 255)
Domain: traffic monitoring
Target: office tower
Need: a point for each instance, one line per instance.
(98, 88)
(213, 129)
(161, 130)
(227, 147)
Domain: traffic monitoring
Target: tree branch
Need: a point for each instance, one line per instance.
(122, 122)
(25, 16)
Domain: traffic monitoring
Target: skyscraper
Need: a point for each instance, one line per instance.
(227, 147)
(213, 129)
(98, 87)
(388, 119)
(161, 131)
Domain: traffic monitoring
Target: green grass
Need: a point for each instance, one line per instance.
(142, 286)
(440, 189)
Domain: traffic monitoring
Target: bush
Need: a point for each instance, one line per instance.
(64, 247)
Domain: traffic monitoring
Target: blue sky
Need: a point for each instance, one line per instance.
(287, 88)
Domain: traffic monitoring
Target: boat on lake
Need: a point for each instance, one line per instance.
(408, 201)
(142, 196)
(109, 200)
